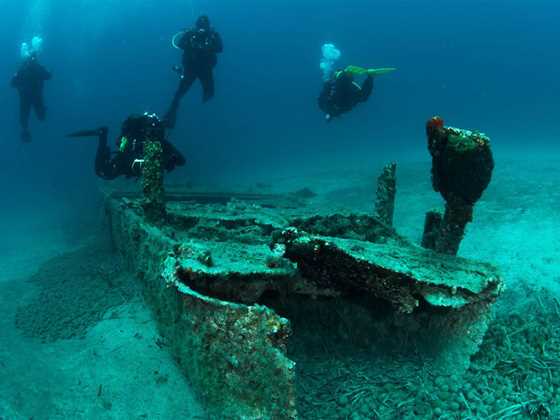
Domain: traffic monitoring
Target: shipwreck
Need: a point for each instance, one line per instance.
(228, 274)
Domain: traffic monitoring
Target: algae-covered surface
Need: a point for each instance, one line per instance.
(464, 141)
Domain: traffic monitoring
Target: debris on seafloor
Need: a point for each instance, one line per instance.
(386, 193)
(462, 166)
(221, 272)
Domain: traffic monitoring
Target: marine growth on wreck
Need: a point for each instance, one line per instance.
(236, 281)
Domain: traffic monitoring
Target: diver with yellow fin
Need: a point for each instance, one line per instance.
(128, 159)
(341, 93)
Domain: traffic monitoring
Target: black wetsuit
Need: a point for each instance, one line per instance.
(341, 94)
(29, 81)
(200, 47)
(127, 160)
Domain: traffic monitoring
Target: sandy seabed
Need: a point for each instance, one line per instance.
(114, 365)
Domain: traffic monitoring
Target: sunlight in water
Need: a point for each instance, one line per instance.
(37, 17)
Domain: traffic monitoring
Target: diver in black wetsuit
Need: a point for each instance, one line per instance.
(128, 159)
(29, 82)
(201, 46)
(341, 93)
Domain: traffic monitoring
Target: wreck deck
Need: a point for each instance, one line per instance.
(213, 271)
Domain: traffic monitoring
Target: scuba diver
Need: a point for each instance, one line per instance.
(200, 46)
(341, 93)
(128, 159)
(29, 82)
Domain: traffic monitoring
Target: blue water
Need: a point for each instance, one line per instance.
(488, 65)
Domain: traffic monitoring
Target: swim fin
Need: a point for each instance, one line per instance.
(362, 71)
(88, 133)
(380, 71)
